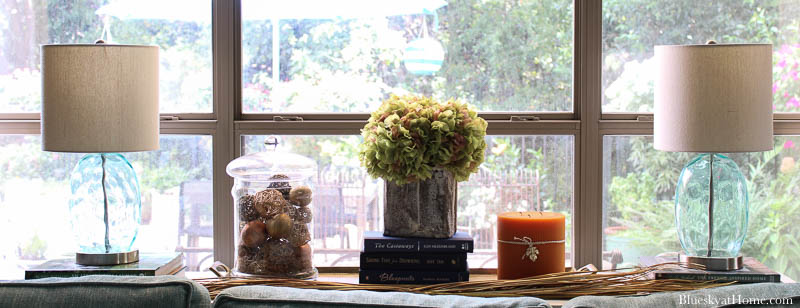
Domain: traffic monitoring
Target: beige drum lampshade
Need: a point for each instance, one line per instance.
(99, 98)
(714, 98)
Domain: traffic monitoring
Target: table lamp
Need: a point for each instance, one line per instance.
(101, 99)
(711, 99)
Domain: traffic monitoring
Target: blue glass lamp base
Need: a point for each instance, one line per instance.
(105, 207)
(711, 204)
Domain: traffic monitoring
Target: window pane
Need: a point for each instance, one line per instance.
(346, 200)
(632, 28)
(34, 197)
(520, 173)
(498, 55)
(183, 33)
(639, 193)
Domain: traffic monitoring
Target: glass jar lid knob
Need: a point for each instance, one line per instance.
(273, 141)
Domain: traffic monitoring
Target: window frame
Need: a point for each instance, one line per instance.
(586, 123)
(227, 123)
(196, 124)
(641, 124)
(500, 123)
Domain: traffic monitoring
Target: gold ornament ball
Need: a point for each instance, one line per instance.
(300, 195)
(280, 226)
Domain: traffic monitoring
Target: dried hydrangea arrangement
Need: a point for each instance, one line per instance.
(409, 136)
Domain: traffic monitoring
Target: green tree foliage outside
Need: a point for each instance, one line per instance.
(500, 56)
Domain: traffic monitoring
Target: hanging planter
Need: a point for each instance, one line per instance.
(423, 56)
(421, 148)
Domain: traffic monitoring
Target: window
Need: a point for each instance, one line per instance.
(639, 192)
(563, 85)
(328, 64)
(184, 41)
(638, 181)
(176, 180)
(175, 183)
(632, 28)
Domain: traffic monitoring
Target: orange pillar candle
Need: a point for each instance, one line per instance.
(529, 244)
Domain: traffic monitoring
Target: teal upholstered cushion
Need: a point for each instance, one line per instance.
(264, 296)
(730, 296)
(104, 291)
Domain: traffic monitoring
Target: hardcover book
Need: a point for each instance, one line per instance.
(148, 265)
(752, 271)
(375, 241)
(410, 277)
(414, 261)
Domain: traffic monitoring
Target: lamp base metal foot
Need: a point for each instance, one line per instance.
(715, 264)
(113, 258)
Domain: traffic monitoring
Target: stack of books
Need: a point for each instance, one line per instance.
(752, 271)
(148, 265)
(397, 260)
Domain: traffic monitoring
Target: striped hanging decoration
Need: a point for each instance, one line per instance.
(423, 56)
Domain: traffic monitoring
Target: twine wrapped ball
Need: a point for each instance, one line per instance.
(300, 235)
(247, 210)
(268, 203)
(282, 186)
(302, 215)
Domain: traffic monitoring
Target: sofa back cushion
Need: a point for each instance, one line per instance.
(739, 295)
(265, 296)
(104, 291)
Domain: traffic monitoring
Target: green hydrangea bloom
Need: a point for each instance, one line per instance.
(408, 136)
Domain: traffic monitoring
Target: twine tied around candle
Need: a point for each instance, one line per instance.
(531, 252)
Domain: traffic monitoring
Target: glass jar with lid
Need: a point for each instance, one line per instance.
(272, 193)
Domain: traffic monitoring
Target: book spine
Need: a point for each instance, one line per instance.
(410, 277)
(70, 274)
(445, 245)
(750, 278)
(414, 261)
(433, 245)
(386, 245)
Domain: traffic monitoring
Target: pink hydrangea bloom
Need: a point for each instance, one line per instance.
(788, 144)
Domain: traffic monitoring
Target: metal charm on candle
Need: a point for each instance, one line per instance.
(531, 252)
